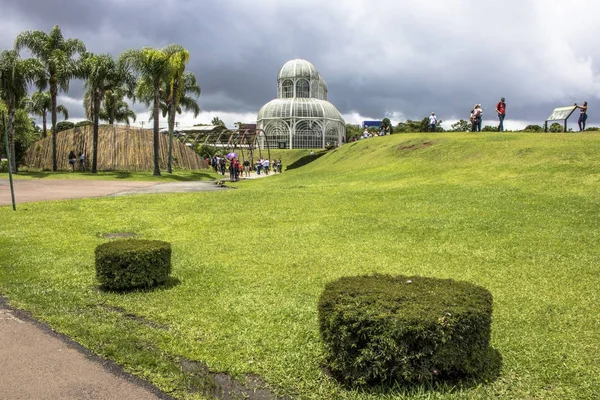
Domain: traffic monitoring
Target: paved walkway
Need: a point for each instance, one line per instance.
(30, 190)
(38, 363)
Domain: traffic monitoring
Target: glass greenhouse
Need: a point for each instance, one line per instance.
(301, 117)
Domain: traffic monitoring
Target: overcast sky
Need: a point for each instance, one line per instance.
(394, 58)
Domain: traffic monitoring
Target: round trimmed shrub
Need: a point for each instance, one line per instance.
(132, 263)
(382, 329)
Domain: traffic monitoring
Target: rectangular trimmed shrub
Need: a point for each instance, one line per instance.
(384, 329)
(132, 263)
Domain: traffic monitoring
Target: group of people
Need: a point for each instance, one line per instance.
(238, 169)
(73, 159)
(264, 165)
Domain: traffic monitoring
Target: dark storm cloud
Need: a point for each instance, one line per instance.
(379, 57)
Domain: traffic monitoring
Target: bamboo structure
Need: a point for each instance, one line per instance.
(122, 148)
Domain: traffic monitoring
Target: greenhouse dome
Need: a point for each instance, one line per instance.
(301, 117)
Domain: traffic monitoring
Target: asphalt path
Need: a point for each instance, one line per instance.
(32, 190)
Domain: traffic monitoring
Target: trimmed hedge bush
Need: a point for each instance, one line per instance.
(382, 329)
(132, 263)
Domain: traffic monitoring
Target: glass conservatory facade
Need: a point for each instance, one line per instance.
(300, 117)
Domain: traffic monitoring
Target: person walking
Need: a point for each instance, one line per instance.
(582, 115)
(82, 161)
(72, 159)
(432, 122)
(247, 168)
(501, 110)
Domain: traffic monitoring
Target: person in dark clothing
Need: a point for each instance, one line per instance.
(72, 159)
(501, 110)
(582, 116)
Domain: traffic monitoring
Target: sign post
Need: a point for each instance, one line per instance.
(12, 189)
(560, 114)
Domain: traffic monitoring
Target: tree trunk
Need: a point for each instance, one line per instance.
(11, 137)
(171, 117)
(156, 112)
(95, 112)
(44, 131)
(53, 94)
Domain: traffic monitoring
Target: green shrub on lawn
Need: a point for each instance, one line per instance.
(132, 263)
(382, 329)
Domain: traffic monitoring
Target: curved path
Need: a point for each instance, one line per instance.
(30, 190)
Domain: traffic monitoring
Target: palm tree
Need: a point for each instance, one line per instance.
(57, 55)
(39, 104)
(171, 105)
(217, 121)
(15, 77)
(154, 66)
(115, 109)
(102, 75)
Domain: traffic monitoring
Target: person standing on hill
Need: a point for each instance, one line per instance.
(432, 122)
(582, 116)
(477, 117)
(501, 110)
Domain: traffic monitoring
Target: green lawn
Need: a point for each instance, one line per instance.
(515, 213)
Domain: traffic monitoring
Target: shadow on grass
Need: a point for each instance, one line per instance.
(194, 176)
(490, 374)
(170, 283)
(305, 160)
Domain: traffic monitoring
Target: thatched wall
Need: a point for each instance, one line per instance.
(119, 148)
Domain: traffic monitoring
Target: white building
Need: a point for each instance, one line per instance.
(301, 117)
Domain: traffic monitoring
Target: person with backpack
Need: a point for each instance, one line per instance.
(501, 110)
(477, 117)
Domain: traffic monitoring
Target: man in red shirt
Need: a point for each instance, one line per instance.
(501, 110)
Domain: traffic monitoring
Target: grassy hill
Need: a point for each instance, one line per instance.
(515, 213)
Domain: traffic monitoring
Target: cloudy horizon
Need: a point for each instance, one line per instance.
(380, 58)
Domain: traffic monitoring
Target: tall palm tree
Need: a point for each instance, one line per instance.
(154, 66)
(172, 104)
(15, 77)
(102, 75)
(39, 104)
(57, 55)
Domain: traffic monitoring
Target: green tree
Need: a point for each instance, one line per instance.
(57, 54)
(533, 128)
(489, 128)
(15, 76)
(39, 105)
(352, 131)
(25, 134)
(102, 75)
(175, 98)
(115, 108)
(556, 127)
(461, 126)
(217, 121)
(64, 126)
(154, 67)
(386, 126)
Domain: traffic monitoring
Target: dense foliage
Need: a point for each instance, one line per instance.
(133, 263)
(385, 329)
